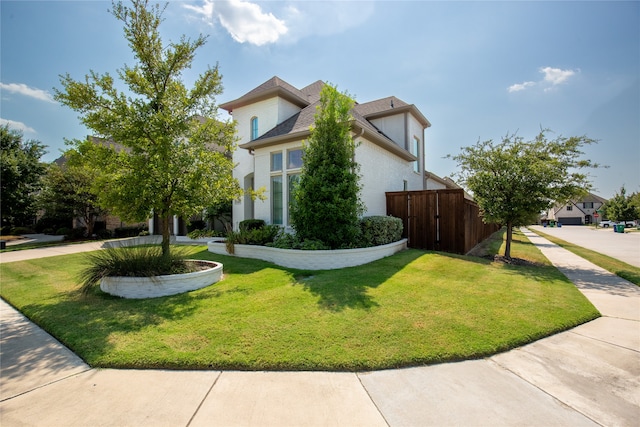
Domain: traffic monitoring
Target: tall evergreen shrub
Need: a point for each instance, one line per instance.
(327, 205)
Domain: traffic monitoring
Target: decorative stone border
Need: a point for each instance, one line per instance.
(159, 286)
(312, 260)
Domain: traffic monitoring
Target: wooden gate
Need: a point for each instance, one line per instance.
(440, 220)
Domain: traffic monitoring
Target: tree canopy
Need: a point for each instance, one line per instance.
(513, 181)
(622, 207)
(67, 190)
(20, 172)
(327, 203)
(164, 150)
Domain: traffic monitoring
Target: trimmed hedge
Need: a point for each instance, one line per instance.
(252, 224)
(380, 230)
(132, 231)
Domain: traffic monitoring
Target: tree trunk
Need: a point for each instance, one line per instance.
(166, 234)
(507, 248)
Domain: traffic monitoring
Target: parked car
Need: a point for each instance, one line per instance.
(608, 223)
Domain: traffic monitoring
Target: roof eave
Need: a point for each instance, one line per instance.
(406, 108)
(280, 139)
(261, 96)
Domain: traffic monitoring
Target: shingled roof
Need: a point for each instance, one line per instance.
(308, 98)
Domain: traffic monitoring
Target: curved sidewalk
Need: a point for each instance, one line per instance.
(587, 376)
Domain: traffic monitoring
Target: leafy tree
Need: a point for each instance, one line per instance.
(515, 179)
(20, 172)
(170, 155)
(326, 204)
(621, 207)
(67, 191)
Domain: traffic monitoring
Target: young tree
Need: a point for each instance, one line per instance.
(327, 204)
(513, 180)
(20, 172)
(621, 207)
(172, 156)
(67, 191)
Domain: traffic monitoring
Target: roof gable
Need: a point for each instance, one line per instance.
(275, 86)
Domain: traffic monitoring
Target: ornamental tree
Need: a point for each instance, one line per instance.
(163, 150)
(515, 180)
(20, 172)
(327, 203)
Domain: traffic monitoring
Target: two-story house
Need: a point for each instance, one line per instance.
(273, 122)
(577, 212)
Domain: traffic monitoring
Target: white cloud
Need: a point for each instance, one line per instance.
(520, 86)
(556, 76)
(23, 89)
(17, 126)
(552, 77)
(288, 21)
(245, 21)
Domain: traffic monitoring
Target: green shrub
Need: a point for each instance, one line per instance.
(252, 224)
(62, 231)
(141, 261)
(260, 236)
(197, 224)
(380, 230)
(5, 231)
(75, 233)
(290, 241)
(197, 234)
(17, 231)
(131, 231)
(104, 234)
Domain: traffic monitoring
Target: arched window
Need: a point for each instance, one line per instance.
(254, 128)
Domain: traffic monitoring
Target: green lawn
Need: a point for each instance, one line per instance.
(613, 265)
(413, 308)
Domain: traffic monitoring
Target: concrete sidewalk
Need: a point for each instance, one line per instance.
(588, 376)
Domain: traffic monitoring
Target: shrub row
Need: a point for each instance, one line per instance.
(131, 231)
(375, 231)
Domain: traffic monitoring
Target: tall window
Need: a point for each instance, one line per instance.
(415, 150)
(254, 128)
(276, 199)
(285, 172)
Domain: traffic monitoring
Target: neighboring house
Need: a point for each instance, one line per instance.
(577, 212)
(273, 122)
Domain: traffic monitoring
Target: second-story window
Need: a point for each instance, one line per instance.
(569, 207)
(254, 128)
(415, 150)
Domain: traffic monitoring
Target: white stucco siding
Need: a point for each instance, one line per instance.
(269, 112)
(393, 127)
(380, 172)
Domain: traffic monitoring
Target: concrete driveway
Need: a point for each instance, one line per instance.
(625, 247)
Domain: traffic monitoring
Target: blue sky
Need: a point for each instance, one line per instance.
(476, 70)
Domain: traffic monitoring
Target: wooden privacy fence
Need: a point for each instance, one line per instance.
(440, 220)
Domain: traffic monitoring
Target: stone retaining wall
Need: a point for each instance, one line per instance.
(158, 286)
(312, 260)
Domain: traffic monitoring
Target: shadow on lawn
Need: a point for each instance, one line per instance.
(348, 288)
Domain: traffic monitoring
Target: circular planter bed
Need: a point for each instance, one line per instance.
(160, 286)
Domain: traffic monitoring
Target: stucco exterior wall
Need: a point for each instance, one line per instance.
(270, 113)
(381, 172)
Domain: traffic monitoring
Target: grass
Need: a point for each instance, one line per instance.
(413, 308)
(615, 266)
(36, 245)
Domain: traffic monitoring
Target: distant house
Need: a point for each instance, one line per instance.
(273, 122)
(577, 212)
